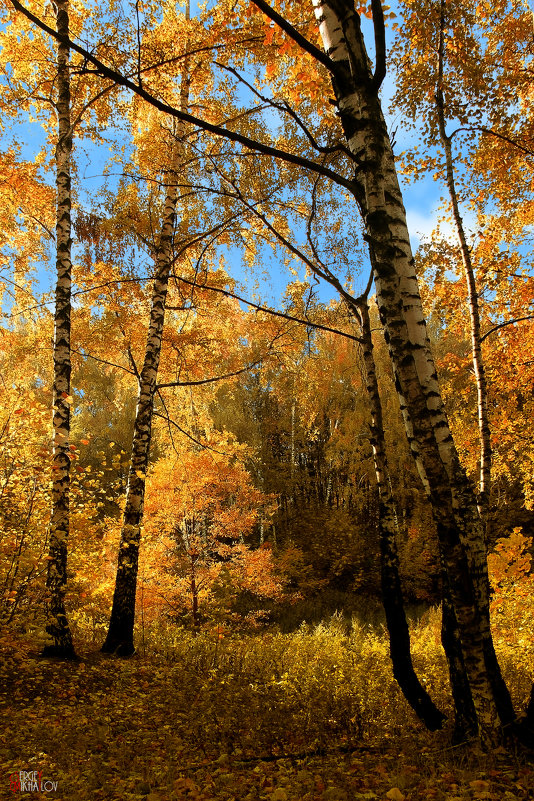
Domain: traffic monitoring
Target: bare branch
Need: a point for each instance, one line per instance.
(202, 445)
(503, 325)
(496, 134)
(323, 272)
(210, 380)
(86, 355)
(285, 108)
(265, 309)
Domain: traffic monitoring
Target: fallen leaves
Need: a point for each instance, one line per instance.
(147, 730)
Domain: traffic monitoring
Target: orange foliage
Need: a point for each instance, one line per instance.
(200, 509)
(512, 603)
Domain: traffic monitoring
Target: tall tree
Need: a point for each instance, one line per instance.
(120, 636)
(399, 636)
(474, 93)
(57, 626)
(378, 194)
(459, 67)
(39, 81)
(472, 293)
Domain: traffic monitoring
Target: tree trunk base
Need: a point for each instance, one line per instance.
(123, 649)
(524, 732)
(59, 652)
(464, 732)
(413, 691)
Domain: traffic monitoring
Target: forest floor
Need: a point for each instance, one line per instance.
(232, 720)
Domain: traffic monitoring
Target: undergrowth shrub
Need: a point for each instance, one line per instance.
(512, 609)
(320, 685)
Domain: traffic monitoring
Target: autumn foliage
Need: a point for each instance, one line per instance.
(228, 485)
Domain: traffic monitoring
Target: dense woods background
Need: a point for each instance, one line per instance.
(232, 459)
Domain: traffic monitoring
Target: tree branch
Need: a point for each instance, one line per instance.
(496, 134)
(315, 52)
(265, 309)
(218, 130)
(205, 447)
(323, 272)
(380, 44)
(285, 108)
(86, 355)
(503, 325)
(210, 380)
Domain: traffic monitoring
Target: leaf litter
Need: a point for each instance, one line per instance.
(146, 729)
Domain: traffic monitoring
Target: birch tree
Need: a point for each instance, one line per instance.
(57, 626)
(399, 637)
(472, 294)
(379, 197)
(120, 636)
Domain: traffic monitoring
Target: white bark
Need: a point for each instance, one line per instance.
(57, 627)
(472, 294)
(377, 192)
(120, 637)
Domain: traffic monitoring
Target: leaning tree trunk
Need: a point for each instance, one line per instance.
(57, 626)
(378, 194)
(465, 723)
(465, 716)
(399, 635)
(120, 636)
(472, 294)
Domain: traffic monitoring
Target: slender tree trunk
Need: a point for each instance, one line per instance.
(292, 455)
(194, 593)
(465, 717)
(377, 192)
(57, 626)
(472, 294)
(399, 635)
(120, 636)
(526, 727)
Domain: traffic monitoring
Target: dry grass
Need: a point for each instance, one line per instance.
(297, 717)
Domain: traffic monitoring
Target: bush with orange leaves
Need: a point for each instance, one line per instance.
(197, 557)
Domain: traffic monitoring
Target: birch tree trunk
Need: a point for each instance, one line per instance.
(465, 715)
(120, 636)
(399, 635)
(465, 721)
(472, 294)
(57, 626)
(376, 189)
